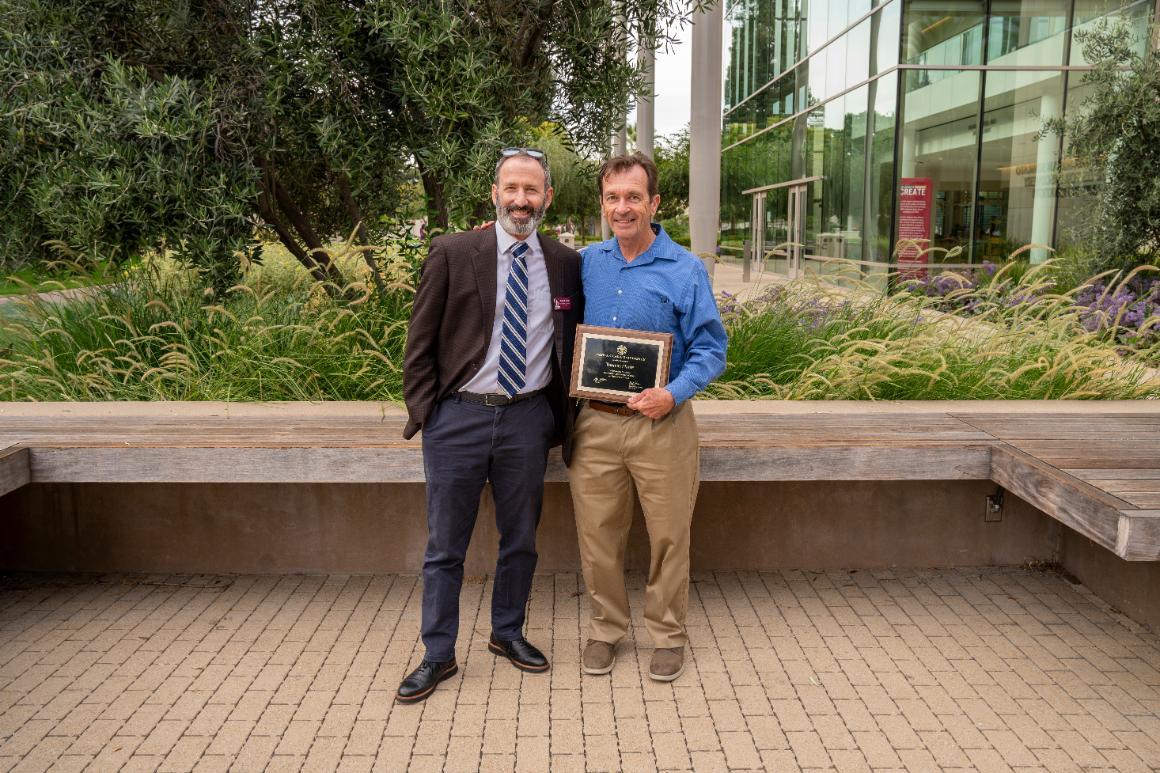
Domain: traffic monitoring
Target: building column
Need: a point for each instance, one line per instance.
(906, 165)
(618, 142)
(1046, 161)
(645, 109)
(705, 134)
(618, 147)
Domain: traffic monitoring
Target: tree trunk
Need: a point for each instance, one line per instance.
(437, 213)
(360, 230)
(276, 207)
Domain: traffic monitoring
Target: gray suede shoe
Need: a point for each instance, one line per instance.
(667, 664)
(599, 657)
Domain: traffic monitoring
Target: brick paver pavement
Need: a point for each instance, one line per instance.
(987, 669)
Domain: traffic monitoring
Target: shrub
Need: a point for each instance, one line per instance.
(155, 335)
(807, 341)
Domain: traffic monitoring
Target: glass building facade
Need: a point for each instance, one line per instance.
(856, 129)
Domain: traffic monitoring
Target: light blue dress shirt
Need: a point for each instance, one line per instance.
(666, 290)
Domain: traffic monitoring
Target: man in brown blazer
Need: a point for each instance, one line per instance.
(489, 355)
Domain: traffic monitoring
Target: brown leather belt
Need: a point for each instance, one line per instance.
(614, 408)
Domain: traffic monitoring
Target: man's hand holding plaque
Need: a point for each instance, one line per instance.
(616, 365)
(656, 403)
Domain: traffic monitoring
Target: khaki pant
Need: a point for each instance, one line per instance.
(610, 454)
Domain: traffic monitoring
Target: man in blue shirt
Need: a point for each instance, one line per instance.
(642, 280)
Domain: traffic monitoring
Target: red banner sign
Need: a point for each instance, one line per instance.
(915, 203)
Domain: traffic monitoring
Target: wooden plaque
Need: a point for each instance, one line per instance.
(613, 364)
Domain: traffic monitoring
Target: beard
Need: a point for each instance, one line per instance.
(520, 221)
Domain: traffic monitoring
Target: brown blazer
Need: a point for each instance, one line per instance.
(453, 315)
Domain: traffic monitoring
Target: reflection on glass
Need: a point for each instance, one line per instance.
(884, 37)
(994, 185)
(880, 187)
(1078, 180)
(838, 149)
(939, 124)
(1017, 171)
(857, 55)
(1026, 32)
(777, 229)
(1091, 13)
(813, 131)
(817, 23)
(836, 54)
(941, 33)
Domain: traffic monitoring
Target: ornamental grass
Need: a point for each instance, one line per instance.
(1009, 338)
(154, 335)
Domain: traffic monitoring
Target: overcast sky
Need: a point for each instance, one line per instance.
(673, 76)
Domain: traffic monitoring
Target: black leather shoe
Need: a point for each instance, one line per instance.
(521, 653)
(423, 680)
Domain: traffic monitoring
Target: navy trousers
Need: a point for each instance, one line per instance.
(464, 446)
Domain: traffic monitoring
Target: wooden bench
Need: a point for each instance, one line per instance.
(1094, 467)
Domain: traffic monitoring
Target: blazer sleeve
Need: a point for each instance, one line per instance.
(420, 363)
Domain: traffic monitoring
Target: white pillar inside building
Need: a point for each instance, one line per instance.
(906, 165)
(705, 134)
(1046, 162)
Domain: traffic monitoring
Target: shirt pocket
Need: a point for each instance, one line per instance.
(655, 311)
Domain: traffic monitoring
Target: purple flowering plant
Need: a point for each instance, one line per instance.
(1128, 311)
(1123, 310)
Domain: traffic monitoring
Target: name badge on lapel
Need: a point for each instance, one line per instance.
(562, 303)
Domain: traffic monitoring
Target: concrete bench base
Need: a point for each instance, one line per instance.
(212, 487)
(268, 528)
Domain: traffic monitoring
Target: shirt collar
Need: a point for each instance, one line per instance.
(505, 241)
(662, 247)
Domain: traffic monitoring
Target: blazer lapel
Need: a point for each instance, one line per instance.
(557, 286)
(485, 261)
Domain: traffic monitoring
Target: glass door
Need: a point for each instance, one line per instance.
(795, 233)
(778, 226)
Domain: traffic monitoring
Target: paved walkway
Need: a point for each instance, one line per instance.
(988, 669)
(727, 278)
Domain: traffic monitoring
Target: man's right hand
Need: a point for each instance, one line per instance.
(484, 225)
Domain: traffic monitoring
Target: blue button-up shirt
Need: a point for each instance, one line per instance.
(666, 290)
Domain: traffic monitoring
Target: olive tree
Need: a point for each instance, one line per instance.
(131, 125)
(1117, 131)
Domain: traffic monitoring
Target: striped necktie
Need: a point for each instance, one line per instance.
(514, 335)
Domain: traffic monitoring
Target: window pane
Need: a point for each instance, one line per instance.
(1089, 13)
(1026, 32)
(735, 73)
(814, 147)
(884, 37)
(838, 18)
(883, 96)
(734, 205)
(819, 70)
(836, 67)
(1078, 181)
(737, 124)
(942, 33)
(817, 23)
(858, 54)
(1016, 200)
(803, 96)
(939, 125)
(787, 34)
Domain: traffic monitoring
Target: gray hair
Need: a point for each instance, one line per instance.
(543, 162)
